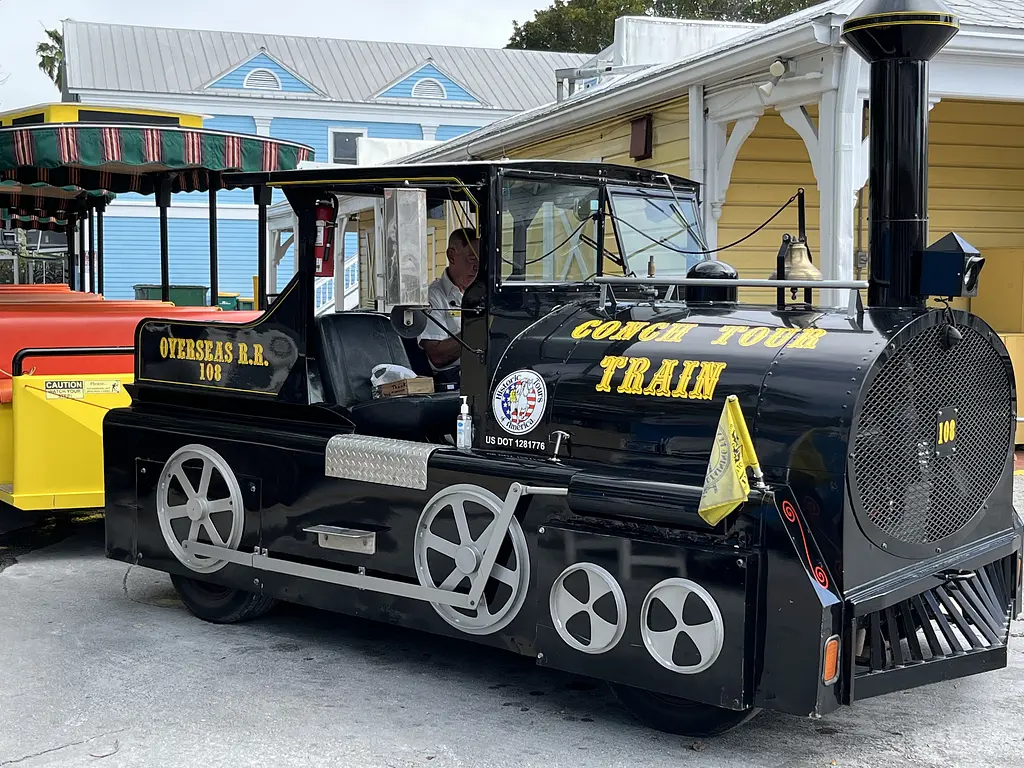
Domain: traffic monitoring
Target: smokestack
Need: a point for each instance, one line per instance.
(898, 38)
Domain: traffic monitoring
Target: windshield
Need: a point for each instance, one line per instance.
(548, 231)
(654, 224)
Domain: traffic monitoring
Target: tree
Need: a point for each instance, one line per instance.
(588, 26)
(51, 57)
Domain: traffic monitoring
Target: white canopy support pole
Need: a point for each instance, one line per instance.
(339, 262)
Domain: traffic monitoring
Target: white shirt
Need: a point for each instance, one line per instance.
(443, 294)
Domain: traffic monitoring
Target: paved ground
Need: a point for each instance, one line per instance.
(100, 664)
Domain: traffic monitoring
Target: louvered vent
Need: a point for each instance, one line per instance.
(263, 80)
(428, 88)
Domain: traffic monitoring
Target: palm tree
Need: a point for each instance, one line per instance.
(51, 57)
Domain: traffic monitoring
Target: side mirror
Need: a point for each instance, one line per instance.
(405, 259)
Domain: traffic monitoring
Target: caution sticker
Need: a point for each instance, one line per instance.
(103, 387)
(67, 390)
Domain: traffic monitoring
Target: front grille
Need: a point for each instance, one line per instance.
(967, 616)
(907, 489)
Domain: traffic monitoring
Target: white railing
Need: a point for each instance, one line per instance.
(323, 291)
(323, 295)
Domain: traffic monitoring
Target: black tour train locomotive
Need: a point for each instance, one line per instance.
(881, 551)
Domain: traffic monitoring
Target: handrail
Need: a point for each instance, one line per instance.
(21, 354)
(727, 282)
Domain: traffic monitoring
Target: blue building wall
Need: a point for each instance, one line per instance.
(132, 249)
(131, 255)
(446, 132)
(236, 78)
(403, 89)
(315, 133)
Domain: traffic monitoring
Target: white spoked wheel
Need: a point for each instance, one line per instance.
(198, 499)
(451, 536)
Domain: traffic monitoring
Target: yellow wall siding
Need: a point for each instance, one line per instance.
(772, 164)
(609, 141)
(976, 188)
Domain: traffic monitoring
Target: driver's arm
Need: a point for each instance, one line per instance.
(440, 348)
(442, 352)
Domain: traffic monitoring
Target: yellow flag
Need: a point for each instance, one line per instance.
(726, 485)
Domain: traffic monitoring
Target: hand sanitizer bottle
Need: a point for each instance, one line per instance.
(464, 428)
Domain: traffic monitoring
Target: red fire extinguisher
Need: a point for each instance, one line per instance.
(323, 250)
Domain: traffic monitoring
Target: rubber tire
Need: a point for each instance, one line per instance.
(680, 717)
(220, 605)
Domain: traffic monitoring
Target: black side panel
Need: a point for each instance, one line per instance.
(684, 632)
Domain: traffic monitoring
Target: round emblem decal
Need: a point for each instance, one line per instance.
(519, 402)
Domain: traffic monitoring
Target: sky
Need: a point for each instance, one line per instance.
(486, 23)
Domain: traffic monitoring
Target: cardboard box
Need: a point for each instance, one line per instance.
(421, 385)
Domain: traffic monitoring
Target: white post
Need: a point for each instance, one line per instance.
(262, 125)
(339, 262)
(697, 149)
(839, 146)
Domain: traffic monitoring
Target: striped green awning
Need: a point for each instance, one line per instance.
(10, 219)
(41, 199)
(120, 158)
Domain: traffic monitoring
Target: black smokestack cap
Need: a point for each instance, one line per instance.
(898, 38)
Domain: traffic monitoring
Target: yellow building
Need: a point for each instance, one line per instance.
(784, 105)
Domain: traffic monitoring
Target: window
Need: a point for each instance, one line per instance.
(429, 88)
(343, 146)
(548, 231)
(653, 225)
(263, 80)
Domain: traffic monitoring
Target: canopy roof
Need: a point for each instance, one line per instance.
(120, 158)
(41, 199)
(11, 219)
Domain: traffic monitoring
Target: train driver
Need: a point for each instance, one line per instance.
(443, 352)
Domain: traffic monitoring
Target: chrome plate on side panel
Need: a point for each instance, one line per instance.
(345, 539)
(378, 460)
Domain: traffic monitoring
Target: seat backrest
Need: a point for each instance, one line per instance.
(351, 344)
(417, 357)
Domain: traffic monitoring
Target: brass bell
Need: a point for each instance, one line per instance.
(798, 265)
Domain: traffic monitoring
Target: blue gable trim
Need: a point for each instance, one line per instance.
(236, 78)
(403, 88)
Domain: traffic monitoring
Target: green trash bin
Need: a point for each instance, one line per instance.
(150, 292)
(180, 295)
(246, 303)
(228, 301)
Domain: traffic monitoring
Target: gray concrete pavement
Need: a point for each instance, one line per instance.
(101, 665)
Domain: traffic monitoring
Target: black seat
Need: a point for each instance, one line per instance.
(417, 357)
(351, 344)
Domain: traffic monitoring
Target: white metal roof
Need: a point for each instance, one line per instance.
(1002, 14)
(117, 57)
